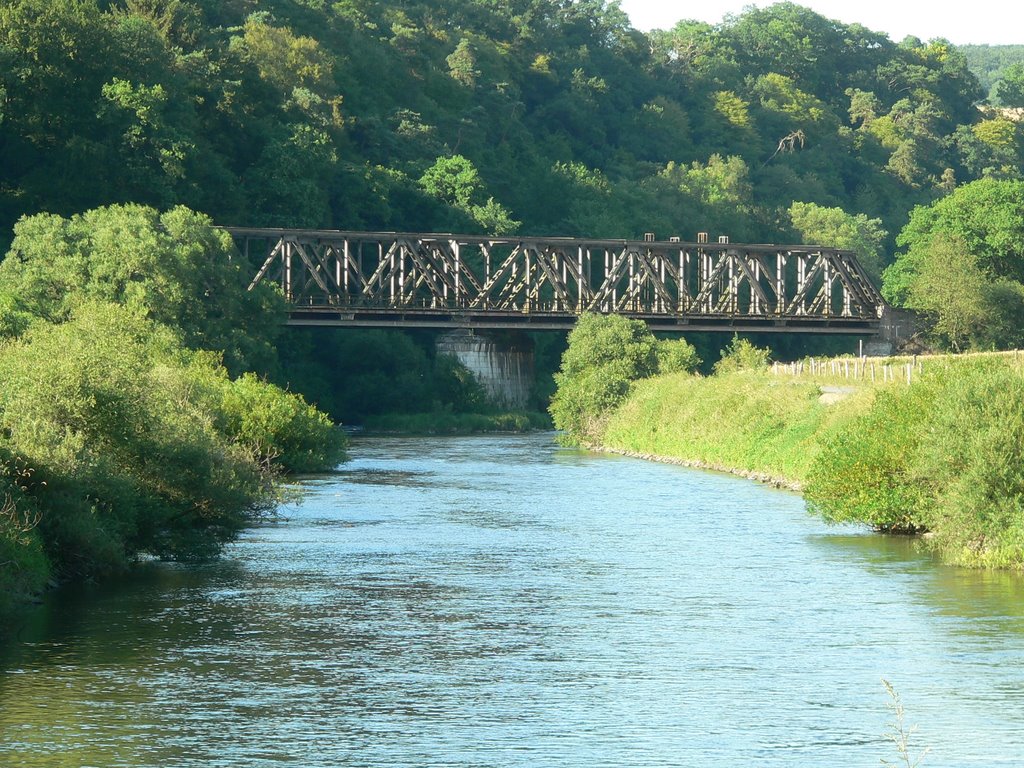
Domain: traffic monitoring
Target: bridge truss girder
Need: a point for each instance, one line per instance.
(365, 278)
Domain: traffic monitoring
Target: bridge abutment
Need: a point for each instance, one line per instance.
(897, 326)
(502, 361)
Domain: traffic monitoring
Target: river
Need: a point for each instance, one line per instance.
(501, 601)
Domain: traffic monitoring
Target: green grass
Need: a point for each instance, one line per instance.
(746, 420)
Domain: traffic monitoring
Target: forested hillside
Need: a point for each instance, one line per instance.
(989, 63)
(530, 116)
(545, 116)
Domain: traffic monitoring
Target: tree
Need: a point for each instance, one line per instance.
(986, 215)
(172, 267)
(719, 193)
(462, 64)
(951, 290)
(456, 181)
(107, 411)
(834, 227)
(677, 356)
(606, 353)
(1010, 90)
(742, 355)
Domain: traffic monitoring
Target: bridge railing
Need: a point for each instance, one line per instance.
(404, 273)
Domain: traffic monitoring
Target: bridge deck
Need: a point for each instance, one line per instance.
(388, 279)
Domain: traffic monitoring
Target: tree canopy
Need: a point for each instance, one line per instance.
(349, 114)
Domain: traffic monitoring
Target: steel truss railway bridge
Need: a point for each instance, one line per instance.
(388, 279)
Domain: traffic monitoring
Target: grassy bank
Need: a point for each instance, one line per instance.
(922, 446)
(747, 421)
(943, 455)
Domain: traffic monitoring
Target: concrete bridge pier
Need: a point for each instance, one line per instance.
(501, 360)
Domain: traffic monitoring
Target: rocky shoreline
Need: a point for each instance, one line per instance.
(761, 477)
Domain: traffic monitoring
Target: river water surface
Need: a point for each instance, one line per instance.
(500, 601)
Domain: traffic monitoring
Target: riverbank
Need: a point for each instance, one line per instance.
(116, 444)
(760, 477)
(942, 455)
(745, 422)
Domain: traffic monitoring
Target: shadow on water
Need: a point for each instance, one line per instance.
(387, 477)
(129, 613)
(988, 600)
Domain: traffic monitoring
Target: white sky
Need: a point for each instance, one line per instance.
(996, 22)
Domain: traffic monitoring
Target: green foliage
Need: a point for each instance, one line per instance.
(677, 356)
(120, 443)
(599, 340)
(720, 190)
(960, 302)
(454, 181)
(1010, 89)
(606, 353)
(358, 376)
(24, 568)
(864, 473)
(116, 440)
(456, 387)
(174, 268)
(989, 62)
(943, 455)
(283, 59)
(745, 421)
(277, 427)
(987, 215)
(294, 115)
(819, 225)
(125, 458)
(964, 265)
(742, 355)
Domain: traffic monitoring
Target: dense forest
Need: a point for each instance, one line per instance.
(990, 64)
(128, 128)
(540, 116)
(530, 116)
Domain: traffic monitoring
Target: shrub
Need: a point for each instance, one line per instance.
(678, 355)
(866, 472)
(279, 427)
(741, 355)
(605, 354)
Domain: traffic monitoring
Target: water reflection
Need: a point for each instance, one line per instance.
(504, 602)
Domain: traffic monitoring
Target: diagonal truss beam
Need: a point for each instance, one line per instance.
(559, 276)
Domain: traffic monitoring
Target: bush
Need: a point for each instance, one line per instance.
(972, 461)
(128, 444)
(677, 356)
(866, 472)
(944, 456)
(741, 355)
(278, 427)
(23, 565)
(605, 354)
(108, 412)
